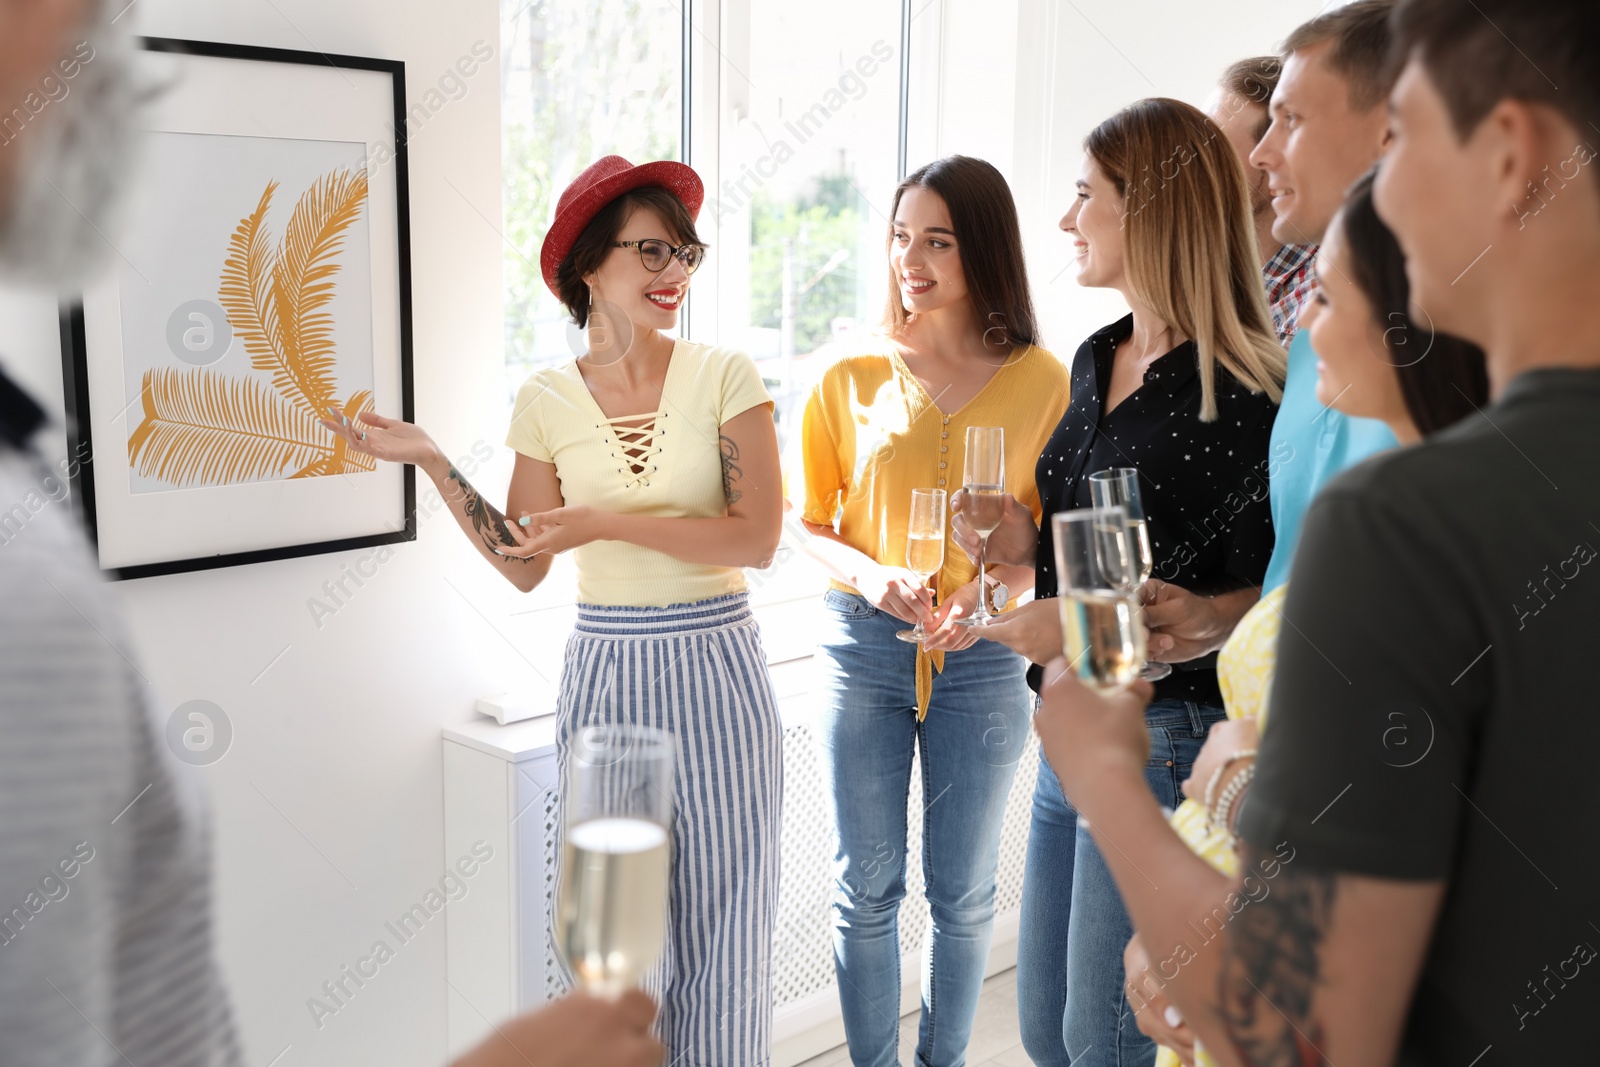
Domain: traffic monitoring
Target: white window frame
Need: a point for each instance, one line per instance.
(716, 38)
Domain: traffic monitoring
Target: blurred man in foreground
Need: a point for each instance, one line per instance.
(106, 933)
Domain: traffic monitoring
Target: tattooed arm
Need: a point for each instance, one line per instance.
(752, 485)
(1322, 969)
(732, 473)
(1284, 966)
(534, 488)
(1287, 966)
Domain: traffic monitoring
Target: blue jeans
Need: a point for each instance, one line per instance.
(971, 741)
(1070, 996)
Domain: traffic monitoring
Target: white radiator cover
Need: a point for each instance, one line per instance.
(500, 788)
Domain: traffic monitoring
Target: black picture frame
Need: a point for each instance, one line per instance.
(75, 354)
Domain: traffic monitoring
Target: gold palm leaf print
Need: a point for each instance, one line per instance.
(202, 427)
(340, 459)
(302, 282)
(244, 296)
(208, 428)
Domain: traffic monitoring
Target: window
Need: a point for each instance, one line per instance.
(793, 116)
(579, 80)
(806, 164)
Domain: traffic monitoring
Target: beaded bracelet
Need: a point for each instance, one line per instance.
(1236, 811)
(1216, 775)
(1219, 814)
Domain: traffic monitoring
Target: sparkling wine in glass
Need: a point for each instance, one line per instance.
(1118, 487)
(924, 546)
(984, 502)
(616, 855)
(1096, 563)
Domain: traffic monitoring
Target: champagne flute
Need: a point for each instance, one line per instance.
(1096, 564)
(984, 504)
(1119, 487)
(616, 855)
(924, 546)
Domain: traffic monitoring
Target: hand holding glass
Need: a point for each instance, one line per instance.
(1097, 568)
(984, 502)
(924, 546)
(1118, 487)
(616, 855)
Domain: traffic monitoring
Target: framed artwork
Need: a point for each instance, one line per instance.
(263, 279)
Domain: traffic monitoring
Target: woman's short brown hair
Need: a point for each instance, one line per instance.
(594, 244)
(1253, 81)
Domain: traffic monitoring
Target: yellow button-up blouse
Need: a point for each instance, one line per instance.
(871, 434)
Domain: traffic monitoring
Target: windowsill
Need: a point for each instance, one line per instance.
(515, 742)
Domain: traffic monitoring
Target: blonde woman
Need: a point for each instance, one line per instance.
(1183, 389)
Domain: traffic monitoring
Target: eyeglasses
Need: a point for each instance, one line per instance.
(655, 254)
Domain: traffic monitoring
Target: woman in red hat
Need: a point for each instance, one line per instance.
(655, 461)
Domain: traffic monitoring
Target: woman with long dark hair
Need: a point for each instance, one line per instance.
(957, 350)
(655, 461)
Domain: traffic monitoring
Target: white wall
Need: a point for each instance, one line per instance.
(328, 806)
(1022, 82)
(334, 771)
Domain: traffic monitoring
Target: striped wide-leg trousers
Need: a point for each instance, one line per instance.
(698, 671)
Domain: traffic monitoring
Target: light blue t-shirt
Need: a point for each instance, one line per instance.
(1310, 444)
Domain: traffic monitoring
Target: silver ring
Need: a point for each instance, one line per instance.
(363, 435)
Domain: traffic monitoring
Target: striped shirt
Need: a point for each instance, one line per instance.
(1291, 278)
(106, 945)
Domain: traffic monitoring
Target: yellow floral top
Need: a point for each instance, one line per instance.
(1244, 673)
(871, 434)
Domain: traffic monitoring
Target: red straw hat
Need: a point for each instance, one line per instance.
(605, 180)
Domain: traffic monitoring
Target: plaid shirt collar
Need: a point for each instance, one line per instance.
(1291, 280)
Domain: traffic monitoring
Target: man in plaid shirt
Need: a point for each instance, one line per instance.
(1239, 107)
(1291, 282)
(1334, 70)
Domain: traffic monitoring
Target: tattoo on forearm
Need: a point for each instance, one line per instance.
(730, 469)
(487, 522)
(1273, 966)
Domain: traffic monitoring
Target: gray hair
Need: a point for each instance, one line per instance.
(60, 223)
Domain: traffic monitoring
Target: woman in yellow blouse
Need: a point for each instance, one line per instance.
(956, 351)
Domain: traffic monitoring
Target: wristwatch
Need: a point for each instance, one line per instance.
(999, 595)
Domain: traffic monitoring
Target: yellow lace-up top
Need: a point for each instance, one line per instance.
(871, 434)
(666, 462)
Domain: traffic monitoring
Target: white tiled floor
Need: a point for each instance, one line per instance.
(996, 1040)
